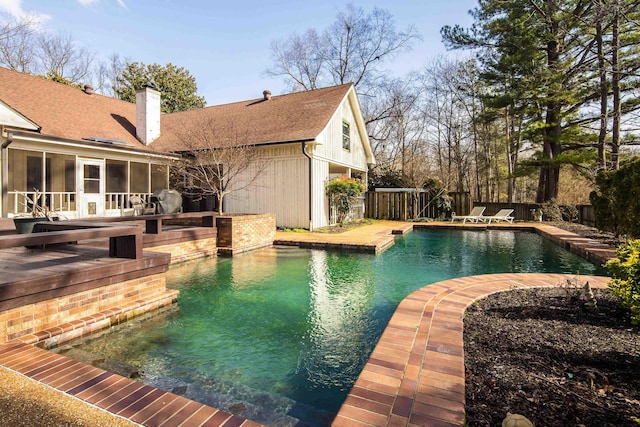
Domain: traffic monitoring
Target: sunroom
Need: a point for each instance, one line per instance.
(78, 179)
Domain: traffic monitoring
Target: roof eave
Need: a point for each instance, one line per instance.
(84, 143)
(30, 124)
(360, 124)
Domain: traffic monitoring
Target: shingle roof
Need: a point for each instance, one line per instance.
(68, 112)
(294, 117)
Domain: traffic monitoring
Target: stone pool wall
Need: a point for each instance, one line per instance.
(242, 233)
(69, 316)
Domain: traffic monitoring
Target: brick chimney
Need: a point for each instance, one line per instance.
(147, 113)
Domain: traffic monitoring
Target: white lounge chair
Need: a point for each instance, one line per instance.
(474, 216)
(502, 215)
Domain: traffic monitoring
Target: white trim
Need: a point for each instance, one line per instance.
(11, 117)
(123, 150)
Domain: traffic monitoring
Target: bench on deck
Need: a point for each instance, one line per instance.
(125, 241)
(153, 223)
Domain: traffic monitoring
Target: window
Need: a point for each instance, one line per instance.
(117, 177)
(346, 136)
(34, 173)
(159, 177)
(91, 179)
(139, 177)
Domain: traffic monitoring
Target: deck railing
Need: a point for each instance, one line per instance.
(56, 201)
(121, 200)
(65, 201)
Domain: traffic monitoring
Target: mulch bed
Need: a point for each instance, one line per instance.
(545, 354)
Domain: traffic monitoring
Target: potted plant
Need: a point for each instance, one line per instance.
(37, 212)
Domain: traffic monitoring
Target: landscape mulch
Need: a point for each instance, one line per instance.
(546, 354)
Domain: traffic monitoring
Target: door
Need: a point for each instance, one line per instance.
(90, 187)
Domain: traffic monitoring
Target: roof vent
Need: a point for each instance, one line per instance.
(267, 95)
(88, 89)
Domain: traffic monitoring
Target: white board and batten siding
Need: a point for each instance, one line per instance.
(330, 141)
(330, 152)
(281, 188)
(320, 201)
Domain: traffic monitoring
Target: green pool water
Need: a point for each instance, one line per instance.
(280, 335)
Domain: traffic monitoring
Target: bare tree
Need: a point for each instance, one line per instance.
(358, 42)
(24, 48)
(214, 163)
(17, 38)
(351, 50)
(107, 73)
(300, 58)
(449, 118)
(60, 56)
(405, 133)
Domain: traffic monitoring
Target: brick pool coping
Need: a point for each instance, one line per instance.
(380, 235)
(415, 376)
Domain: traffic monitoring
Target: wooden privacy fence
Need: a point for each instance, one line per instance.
(406, 205)
(586, 215)
(525, 211)
(521, 211)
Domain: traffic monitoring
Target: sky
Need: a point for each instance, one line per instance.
(225, 45)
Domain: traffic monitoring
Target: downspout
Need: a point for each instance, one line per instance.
(304, 151)
(4, 174)
(8, 141)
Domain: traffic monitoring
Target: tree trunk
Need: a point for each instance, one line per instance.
(508, 126)
(604, 97)
(615, 86)
(550, 172)
(220, 199)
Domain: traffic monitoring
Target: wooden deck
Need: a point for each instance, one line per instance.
(32, 275)
(22, 264)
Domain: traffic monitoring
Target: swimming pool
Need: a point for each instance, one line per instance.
(280, 335)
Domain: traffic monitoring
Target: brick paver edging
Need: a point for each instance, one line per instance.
(415, 375)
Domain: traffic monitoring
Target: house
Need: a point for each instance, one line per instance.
(90, 153)
(308, 138)
(81, 149)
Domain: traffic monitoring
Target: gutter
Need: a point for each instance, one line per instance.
(304, 152)
(87, 143)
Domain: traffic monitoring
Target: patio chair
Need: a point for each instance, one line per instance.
(140, 207)
(474, 216)
(502, 215)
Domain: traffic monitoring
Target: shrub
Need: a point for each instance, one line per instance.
(615, 200)
(385, 177)
(625, 271)
(438, 194)
(343, 193)
(551, 210)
